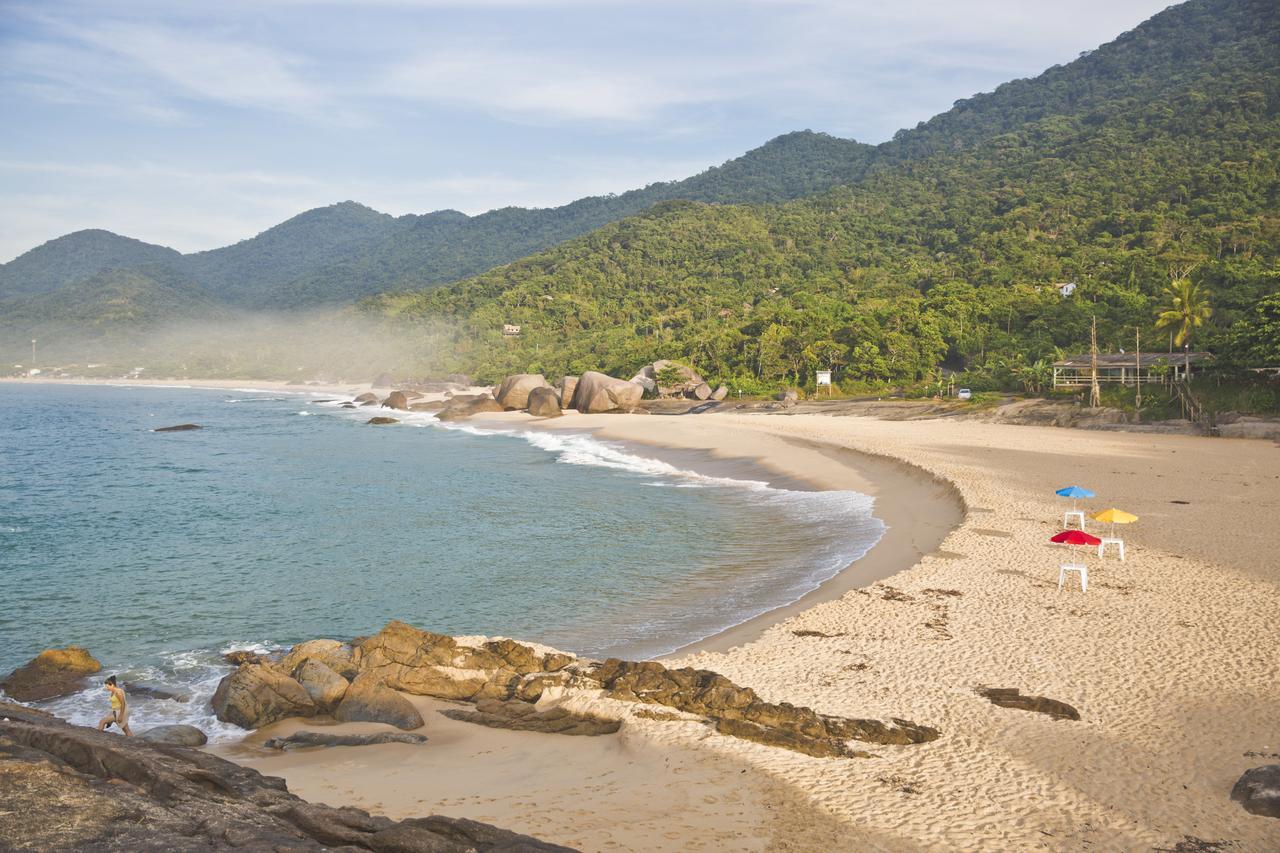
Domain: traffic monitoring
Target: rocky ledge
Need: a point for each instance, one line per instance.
(513, 685)
(69, 787)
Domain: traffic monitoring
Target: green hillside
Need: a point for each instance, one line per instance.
(76, 257)
(1156, 153)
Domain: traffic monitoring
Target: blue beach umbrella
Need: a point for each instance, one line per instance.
(1075, 493)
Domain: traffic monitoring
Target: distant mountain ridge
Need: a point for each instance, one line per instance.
(346, 251)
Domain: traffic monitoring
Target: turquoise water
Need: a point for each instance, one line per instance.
(288, 519)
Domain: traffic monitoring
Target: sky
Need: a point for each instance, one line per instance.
(197, 124)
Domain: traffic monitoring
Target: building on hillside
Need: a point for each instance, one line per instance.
(1066, 288)
(510, 330)
(1126, 368)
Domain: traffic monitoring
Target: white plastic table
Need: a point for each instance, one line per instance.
(1073, 513)
(1078, 568)
(1110, 540)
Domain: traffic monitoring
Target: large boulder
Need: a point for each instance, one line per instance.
(543, 403)
(1258, 790)
(427, 406)
(702, 392)
(513, 393)
(325, 687)
(235, 657)
(668, 378)
(72, 788)
(464, 406)
(368, 700)
(334, 654)
(597, 392)
(52, 673)
(396, 400)
(366, 397)
(257, 695)
(565, 386)
(382, 421)
(175, 735)
(720, 393)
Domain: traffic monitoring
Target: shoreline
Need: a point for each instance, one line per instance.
(255, 385)
(918, 508)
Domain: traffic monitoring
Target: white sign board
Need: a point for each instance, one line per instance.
(824, 377)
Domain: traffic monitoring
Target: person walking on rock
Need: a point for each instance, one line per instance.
(119, 708)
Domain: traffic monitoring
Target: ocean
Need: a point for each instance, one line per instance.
(287, 518)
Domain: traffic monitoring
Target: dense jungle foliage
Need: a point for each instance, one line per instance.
(1154, 157)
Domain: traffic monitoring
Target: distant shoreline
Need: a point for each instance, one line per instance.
(215, 384)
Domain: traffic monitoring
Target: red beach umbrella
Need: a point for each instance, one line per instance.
(1075, 537)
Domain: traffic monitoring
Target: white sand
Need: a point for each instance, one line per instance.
(1171, 658)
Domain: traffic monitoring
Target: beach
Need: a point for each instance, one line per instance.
(1170, 659)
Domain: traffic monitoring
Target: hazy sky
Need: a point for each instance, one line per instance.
(198, 124)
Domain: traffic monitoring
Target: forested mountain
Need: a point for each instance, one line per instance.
(75, 257)
(1156, 154)
(337, 254)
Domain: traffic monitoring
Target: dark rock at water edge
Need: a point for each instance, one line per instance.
(299, 740)
(155, 691)
(235, 657)
(178, 428)
(366, 398)
(175, 735)
(1011, 697)
(124, 794)
(382, 420)
(543, 403)
(396, 400)
(1258, 790)
(465, 405)
(50, 674)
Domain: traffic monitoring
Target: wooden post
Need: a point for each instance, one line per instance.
(1095, 393)
(1137, 342)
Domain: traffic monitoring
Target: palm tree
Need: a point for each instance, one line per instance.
(1188, 308)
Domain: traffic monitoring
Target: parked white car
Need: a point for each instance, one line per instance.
(964, 394)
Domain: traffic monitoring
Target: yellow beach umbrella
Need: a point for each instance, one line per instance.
(1115, 516)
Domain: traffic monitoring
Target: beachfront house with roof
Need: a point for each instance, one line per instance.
(1127, 368)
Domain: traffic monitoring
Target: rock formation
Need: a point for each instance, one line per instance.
(305, 739)
(397, 400)
(52, 673)
(325, 687)
(669, 378)
(525, 717)
(543, 403)
(175, 735)
(597, 392)
(1258, 790)
(178, 428)
(466, 405)
(1011, 697)
(366, 398)
(701, 392)
(720, 393)
(257, 695)
(368, 700)
(513, 393)
(72, 788)
(565, 386)
(334, 654)
(235, 657)
(379, 421)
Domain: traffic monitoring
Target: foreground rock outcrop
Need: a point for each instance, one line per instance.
(596, 392)
(72, 788)
(50, 674)
(466, 405)
(517, 686)
(300, 740)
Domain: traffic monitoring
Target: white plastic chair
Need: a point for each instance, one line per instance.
(1079, 568)
(1110, 540)
(1073, 513)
